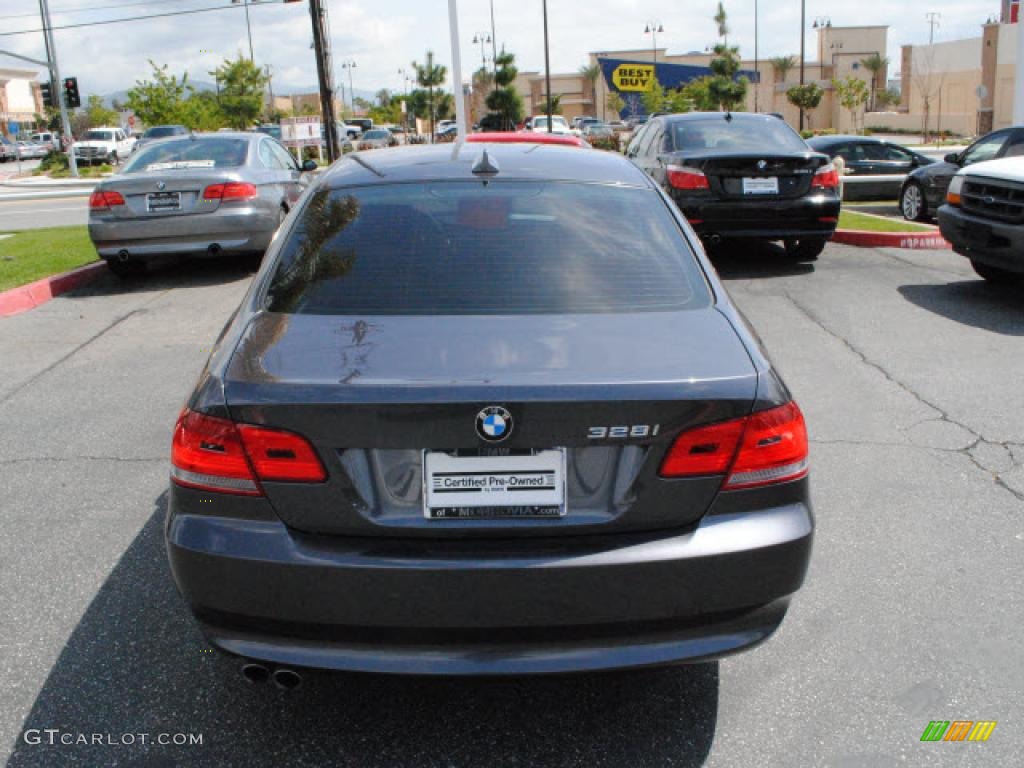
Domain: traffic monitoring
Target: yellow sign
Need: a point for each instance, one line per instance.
(634, 77)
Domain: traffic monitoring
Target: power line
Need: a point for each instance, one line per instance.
(83, 9)
(124, 19)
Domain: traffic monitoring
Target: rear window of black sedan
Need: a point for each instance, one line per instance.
(730, 136)
(462, 248)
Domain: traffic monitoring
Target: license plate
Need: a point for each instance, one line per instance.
(764, 186)
(163, 201)
(467, 487)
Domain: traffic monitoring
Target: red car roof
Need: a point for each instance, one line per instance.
(526, 137)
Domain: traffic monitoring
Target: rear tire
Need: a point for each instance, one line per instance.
(913, 203)
(126, 269)
(805, 249)
(996, 275)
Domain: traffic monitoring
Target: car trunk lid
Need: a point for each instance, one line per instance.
(758, 176)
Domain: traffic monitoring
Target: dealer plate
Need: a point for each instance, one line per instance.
(761, 186)
(467, 487)
(163, 201)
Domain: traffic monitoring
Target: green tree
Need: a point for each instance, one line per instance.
(876, 64)
(698, 94)
(202, 112)
(727, 90)
(242, 85)
(852, 93)
(657, 99)
(97, 114)
(504, 101)
(363, 104)
(806, 98)
(556, 104)
(781, 65)
(161, 100)
(615, 103)
(429, 76)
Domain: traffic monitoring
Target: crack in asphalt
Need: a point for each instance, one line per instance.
(942, 415)
(62, 459)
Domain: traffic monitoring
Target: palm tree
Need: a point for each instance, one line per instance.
(429, 76)
(876, 64)
(590, 74)
(781, 65)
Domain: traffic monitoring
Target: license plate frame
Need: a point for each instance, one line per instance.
(165, 201)
(481, 487)
(761, 185)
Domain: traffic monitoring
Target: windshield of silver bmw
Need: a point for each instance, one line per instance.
(460, 248)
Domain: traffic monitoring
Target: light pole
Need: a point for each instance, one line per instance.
(349, 64)
(652, 28)
(547, 67)
(757, 69)
(494, 47)
(405, 89)
(803, 27)
(821, 22)
(481, 38)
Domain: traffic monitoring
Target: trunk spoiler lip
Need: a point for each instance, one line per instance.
(698, 159)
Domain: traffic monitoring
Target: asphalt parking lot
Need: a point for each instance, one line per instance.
(908, 369)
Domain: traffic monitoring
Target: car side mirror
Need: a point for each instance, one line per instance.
(953, 157)
(310, 165)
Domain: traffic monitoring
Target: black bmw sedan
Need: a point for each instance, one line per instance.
(742, 176)
(487, 409)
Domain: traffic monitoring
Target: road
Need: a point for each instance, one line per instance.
(48, 212)
(909, 371)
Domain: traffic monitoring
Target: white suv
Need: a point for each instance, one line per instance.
(104, 145)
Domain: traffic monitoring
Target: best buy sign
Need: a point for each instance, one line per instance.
(633, 77)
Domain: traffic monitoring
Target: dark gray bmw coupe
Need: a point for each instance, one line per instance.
(486, 409)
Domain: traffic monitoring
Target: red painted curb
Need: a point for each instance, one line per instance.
(915, 240)
(26, 297)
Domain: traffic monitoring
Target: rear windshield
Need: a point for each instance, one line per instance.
(735, 136)
(189, 153)
(163, 130)
(464, 248)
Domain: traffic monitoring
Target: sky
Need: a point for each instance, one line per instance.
(383, 36)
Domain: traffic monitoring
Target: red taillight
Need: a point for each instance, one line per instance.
(681, 177)
(105, 199)
(760, 449)
(281, 456)
(215, 454)
(232, 190)
(826, 178)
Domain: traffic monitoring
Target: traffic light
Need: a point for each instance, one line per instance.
(47, 94)
(71, 98)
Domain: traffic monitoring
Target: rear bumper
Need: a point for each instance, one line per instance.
(490, 607)
(809, 216)
(237, 231)
(995, 243)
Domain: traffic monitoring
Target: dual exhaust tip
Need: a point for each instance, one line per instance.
(213, 250)
(284, 678)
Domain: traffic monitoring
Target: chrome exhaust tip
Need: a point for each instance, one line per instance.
(255, 673)
(287, 679)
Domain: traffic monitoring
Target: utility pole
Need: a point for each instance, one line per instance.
(494, 47)
(321, 45)
(757, 85)
(933, 21)
(460, 97)
(547, 68)
(57, 87)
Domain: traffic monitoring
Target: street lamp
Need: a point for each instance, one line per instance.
(652, 28)
(481, 38)
(349, 64)
(821, 22)
(406, 79)
(803, 30)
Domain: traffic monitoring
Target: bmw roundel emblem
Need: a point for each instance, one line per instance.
(494, 424)
(160, 185)
(762, 164)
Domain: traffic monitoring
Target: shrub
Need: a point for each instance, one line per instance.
(610, 143)
(54, 161)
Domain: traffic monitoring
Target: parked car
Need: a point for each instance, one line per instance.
(29, 150)
(155, 132)
(618, 126)
(8, 149)
(203, 195)
(581, 121)
(324, 510)
(592, 130)
(351, 130)
(925, 188)
(103, 145)
(50, 141)
(742, 176)
(448, 133)
(377, 138)
(364, 124)
(442, 124)
(984, 218)
(867, 156)
(539, 124)
(526, 137)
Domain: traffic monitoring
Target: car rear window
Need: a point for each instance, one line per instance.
(717, 133)
(189, 153)
(461, 248)
(163, 131)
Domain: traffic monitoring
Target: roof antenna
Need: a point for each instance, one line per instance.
(484, 166)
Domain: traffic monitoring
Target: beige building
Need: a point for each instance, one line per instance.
(20, 98)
